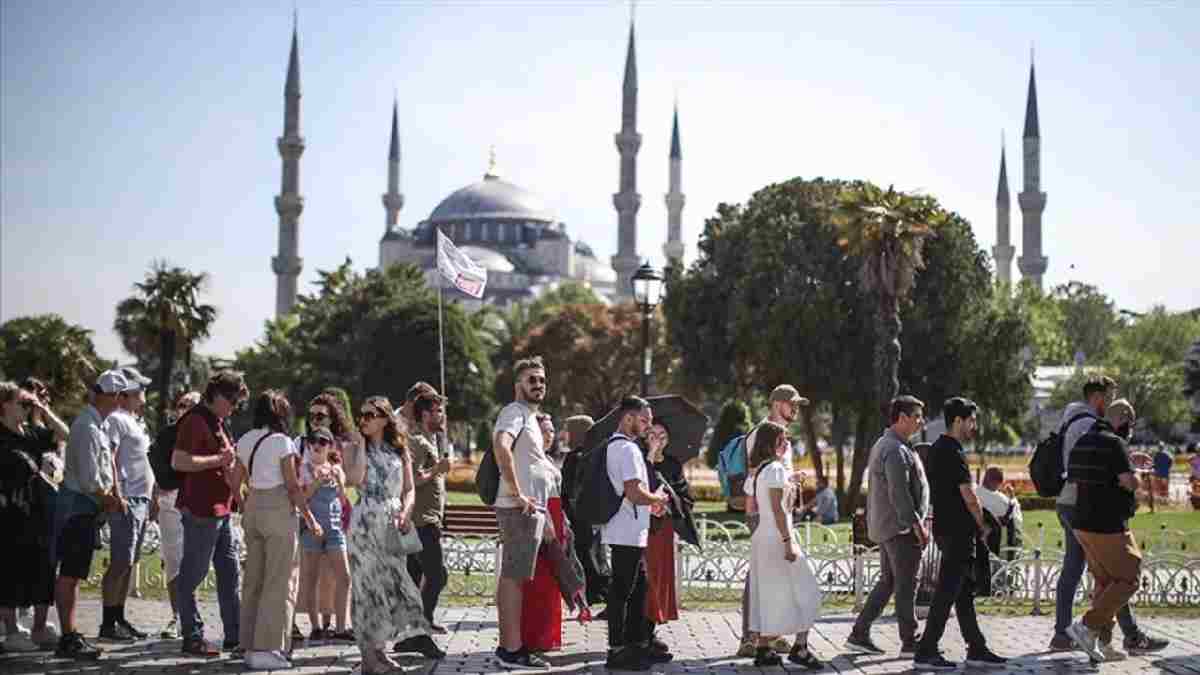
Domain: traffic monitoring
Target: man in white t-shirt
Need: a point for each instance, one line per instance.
(626, 535)
(527, 477)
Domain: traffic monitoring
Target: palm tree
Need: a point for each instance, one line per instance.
(164, 315)
(886, 231)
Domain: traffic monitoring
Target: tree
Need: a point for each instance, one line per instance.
(60, 354)
(1089, 319)
(163, 316)
(369, 334)
(1049, 344)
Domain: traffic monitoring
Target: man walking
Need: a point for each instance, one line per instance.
(626, 535)
(1077, 420)
(526, 479)
(1107, 498)
(428, 568)
(205, 453)
(89, 488)
(131, 441)
(957, 522)
(897, 504)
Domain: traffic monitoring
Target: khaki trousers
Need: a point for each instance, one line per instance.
(269, 581)
(1116, 563)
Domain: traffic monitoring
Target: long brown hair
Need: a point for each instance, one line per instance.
(340, 424)
(765, 440)
(394, 433)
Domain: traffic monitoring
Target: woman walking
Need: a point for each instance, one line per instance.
(387, 604)
(265, 461)
(784, 596)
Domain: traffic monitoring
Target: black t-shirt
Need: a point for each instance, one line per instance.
(25, 493)
(946, 470)
(1096, 460)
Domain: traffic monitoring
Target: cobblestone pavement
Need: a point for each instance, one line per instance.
(701, 641)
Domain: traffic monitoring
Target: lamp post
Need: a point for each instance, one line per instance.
(647, 291)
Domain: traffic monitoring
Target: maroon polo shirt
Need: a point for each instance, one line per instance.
(204, 494)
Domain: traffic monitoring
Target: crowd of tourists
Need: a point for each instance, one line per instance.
(371, 572)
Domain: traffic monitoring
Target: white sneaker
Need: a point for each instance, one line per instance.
(20, 642)
(1111, 653)
(1085, 639)
(267, 661)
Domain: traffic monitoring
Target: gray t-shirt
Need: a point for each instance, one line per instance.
(87, 467)
(132, 443)
(1071, 436)
(538, 477)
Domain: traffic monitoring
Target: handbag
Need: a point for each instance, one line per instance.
(404, 543)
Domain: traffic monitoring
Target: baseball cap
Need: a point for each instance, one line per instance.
(137, 381)
(786, 392)
(111, 382)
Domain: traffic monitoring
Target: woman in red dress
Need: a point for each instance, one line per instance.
(661, 603)
(541, 621)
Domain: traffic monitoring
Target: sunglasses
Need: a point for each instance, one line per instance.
(534, 379)
(318, 415)
(320, 441)
(370, 415)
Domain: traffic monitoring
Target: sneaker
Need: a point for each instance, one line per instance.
(266, 661)
(171, 630)
(1062, 643)
(984, 658)
(933, 661)
(317, 634)
(656, 645)
(654, 656)
(133, 631)
(234, 648)
(116, 633)
(420, 644)
(746, 649)
(297, 636)
(1085, 639)
(862, 645)
(625, 658)
(73, 646)
(1144, 644)
(200, 647)
(526, 659)
(1111, 653)
(808, 661)
(765, 657)
(19, 642)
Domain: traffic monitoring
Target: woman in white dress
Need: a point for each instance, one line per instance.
(784, 595)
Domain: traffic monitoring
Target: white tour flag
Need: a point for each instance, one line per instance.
(458, 268)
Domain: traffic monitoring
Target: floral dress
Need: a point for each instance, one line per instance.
(386, 603)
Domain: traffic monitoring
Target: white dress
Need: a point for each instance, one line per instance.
(784, 597)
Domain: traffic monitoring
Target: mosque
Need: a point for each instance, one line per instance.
(502, 226)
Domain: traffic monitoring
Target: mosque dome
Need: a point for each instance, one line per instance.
(491, 199)
(492, 261)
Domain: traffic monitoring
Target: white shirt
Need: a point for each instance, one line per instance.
(536, 474)
(630, 526)
(267, 472)
(132, 443)
(997, 503)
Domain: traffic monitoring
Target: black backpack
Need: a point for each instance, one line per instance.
(160, 458)
(598, 502)
(487, 476)
(1046, 468)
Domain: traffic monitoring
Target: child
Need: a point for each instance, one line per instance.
(324, 485)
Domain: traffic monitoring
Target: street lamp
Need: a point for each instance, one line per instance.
(647, 291)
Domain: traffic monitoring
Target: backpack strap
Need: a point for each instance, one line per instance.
(607, 445)
(254, 452)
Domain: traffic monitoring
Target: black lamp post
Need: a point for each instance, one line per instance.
(647, 292)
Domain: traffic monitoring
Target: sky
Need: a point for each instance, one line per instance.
(138, 131)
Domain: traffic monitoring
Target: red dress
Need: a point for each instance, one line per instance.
(541, 607)
(661, 603)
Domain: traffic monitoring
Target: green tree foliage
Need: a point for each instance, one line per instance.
(1050, 345)
(163, 317)
(1089, 319)
(368, 334)
(733, 421)
(58, 353)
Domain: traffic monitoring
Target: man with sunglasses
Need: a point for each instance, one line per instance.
(205, 454)
(428, 568)
(526, 478)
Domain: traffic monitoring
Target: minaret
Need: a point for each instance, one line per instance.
(289, 203)
(627, 201)
(1003, 251)
(1032, 200)
(393, 200)
(673, 250)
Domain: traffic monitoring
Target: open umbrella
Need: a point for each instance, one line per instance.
(686, 422)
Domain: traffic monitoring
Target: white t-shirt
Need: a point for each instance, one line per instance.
(132, 443)
(997, 503)
(267, 472)
(630, 526)
(536, 474)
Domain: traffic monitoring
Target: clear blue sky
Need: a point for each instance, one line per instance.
(134, 131)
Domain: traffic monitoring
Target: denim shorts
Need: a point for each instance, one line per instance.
(334, 540)
(127, 530)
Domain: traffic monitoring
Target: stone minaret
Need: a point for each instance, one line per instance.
(1003, 251)
(1032, 200)
(673, 249)
(289, 203)
(393, 200)
(627, 201)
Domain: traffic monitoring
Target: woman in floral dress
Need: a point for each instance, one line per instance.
(386, 603)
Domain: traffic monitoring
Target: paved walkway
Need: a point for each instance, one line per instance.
(702, 642)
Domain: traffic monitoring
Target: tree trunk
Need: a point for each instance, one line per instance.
(839, 446)
(864, 438)
(810, 440)
(165, 366)
(887, 353)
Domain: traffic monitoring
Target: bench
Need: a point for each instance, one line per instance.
(470, 519)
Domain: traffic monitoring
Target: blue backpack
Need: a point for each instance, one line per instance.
(731, 464)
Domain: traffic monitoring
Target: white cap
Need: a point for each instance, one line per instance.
(137, 381)
(112, 382)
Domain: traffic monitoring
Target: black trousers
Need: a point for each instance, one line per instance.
(627, 623)
(592, 554)
(430, 563)
(955, 587)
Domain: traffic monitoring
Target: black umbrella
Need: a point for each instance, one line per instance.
(686, 422)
